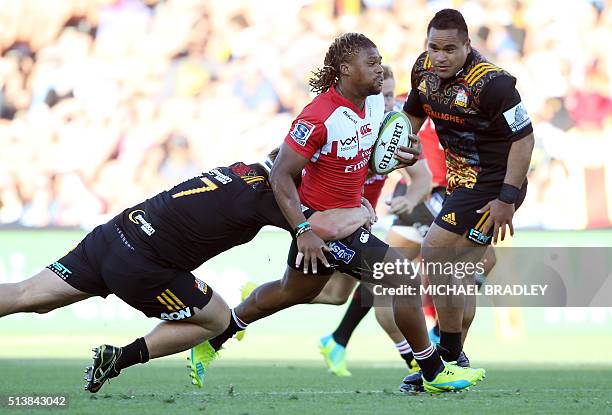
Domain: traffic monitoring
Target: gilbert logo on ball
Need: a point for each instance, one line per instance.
(394, 132)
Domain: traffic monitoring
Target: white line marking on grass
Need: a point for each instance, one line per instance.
(509, 392)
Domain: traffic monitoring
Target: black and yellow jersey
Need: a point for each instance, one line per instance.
(198, 219)
(477, 115)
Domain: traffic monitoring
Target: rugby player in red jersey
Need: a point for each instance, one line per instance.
(329, 146)
(338, 289)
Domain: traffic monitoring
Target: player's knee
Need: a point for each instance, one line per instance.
(215, 316)
(42, 310)
(339, 298)
(219, 325)
(333, 298)
(489, 259)
(468, 317)
(429, 251)
(305, 296)
(293, 292)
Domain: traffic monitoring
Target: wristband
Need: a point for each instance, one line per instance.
(300, 231)
(301, 225)
(509, 193)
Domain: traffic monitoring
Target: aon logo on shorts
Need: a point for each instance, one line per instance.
(176, 315)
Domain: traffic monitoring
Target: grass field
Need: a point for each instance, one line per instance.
(305, 388)
(547, 361)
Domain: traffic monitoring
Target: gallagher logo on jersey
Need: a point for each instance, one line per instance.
(301, 131)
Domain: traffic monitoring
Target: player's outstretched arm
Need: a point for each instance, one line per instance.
(287, 167)
(335, 224)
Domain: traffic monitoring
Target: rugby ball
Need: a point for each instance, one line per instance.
(394, 132)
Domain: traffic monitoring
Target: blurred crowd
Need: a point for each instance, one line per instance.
(106, 102)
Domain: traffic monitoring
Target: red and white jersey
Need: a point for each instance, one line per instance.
(434, 154)
(337, 138)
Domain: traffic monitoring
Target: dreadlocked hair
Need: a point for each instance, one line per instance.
(342, 50)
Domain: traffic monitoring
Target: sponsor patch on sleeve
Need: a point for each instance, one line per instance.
(517, 117)
(302, 129)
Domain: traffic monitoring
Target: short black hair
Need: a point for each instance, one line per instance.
(447, 19)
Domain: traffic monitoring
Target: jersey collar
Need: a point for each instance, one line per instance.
(339, 99)
(266, 164)
(469, 60)
(466, 66)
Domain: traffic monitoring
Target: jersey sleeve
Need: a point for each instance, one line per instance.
(412, 105)
(307, 135)
(501, 102)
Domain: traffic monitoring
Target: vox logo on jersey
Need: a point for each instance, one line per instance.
(348, 141)
(348, 147)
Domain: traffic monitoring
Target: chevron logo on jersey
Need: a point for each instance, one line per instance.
(461, 100)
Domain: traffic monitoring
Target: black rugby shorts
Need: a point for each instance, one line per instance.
(106, 262)
(458, 214)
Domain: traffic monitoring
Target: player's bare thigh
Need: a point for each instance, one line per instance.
(438, 237)
(301, 288)
(440, 244)
(42, 293)
(215, 315)
(337, 290)
(407, 238)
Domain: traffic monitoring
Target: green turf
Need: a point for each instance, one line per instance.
(296, 382)
(305, 388)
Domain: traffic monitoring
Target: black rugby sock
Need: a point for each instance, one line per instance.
(353, 316)
(133, 353)
(429, 361)
(452, 343)
(407, 358)
(234, 327)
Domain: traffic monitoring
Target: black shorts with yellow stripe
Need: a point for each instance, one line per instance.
(458, 214)
(106, 262)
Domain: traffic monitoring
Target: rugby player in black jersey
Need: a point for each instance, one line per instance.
(488, 139)
(145, 256)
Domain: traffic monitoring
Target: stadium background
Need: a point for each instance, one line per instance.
(103, 103)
